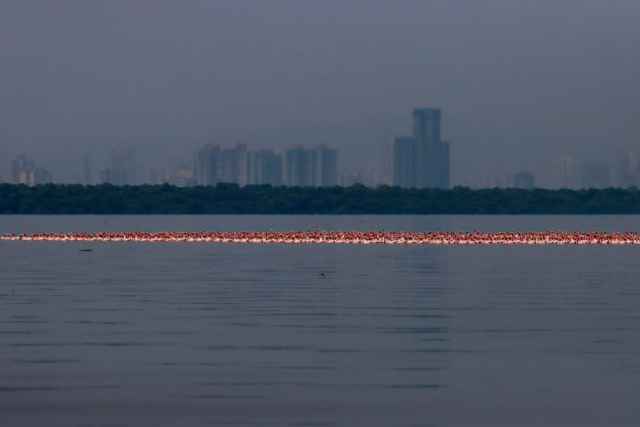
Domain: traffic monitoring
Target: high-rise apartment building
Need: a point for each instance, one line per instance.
(232, 165)
(206, 165)
(315, 167)
(595, 175)
(182, 175)
(213, 165)
(569, 173)
(264, 167)
(298, 167)
(423, 161)
(404, 162)
(42, 176)
(626, 170)
(87, 170)
(524, 180)
(122, 169)
(326, 171)
(24, 171)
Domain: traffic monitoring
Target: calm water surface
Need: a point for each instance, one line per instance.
(242, 335)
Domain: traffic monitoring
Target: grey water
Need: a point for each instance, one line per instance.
(317, 335)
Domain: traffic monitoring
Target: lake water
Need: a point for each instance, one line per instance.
(244, 335)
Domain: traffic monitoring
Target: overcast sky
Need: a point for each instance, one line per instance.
(521, 83)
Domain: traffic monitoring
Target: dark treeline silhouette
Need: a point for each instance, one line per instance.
(231, 199)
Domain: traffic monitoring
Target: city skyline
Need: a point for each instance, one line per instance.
(254, 164)
(92, 76)
(319, 213)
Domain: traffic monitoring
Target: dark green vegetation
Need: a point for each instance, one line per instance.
(230, 199)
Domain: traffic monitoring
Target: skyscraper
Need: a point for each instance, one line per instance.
(432, 154)
(326, 169)
(42, 176)
(424, 160)
(264, 167)
(626, 170)
(213, 165)
(596, 174)
(232, 165)
(524, 180)
(25, 172)
(206, 165)
(182, 176)
(568, 170)
(316, 167)
(404, 162)
(87, 171)
(122, 168)
(426, 125)
(298, 167)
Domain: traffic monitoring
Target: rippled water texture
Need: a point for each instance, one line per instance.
(315, 335)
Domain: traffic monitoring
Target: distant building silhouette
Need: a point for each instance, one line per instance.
(213, 165)
(326, 171)
(423, 161)
(626, 172)
(87, 170)
(158, 176)
(122, 169)
(596, 175)
(264, 167)
(297, 166)
(569, 173)
(206, 165)
(24, 171)
(359, 177)
(42, 176)
(182, 175)
(316, 167)
(404, 162)
(104, 176)
(232, 165)
(524, 180)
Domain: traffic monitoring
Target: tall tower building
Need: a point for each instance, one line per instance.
(404, 162)
(213, 165)
(626, 170)
(426, 125)
(205, 165)
(424, 160)
(298, 167)
(569, 172)
(23, 170)
(524, 180)
(122, 167)
(596, 174)
(232, 165)
(326, 169)
(432, 168)
(87, 171)
(264, 167)
(316, 167)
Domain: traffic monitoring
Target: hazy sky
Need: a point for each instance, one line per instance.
(521, 82)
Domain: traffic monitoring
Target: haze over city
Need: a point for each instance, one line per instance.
(521, 86)
(269, 213)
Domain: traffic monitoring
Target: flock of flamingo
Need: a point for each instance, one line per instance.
(342, 237)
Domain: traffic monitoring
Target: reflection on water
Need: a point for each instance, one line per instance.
(315, 335)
